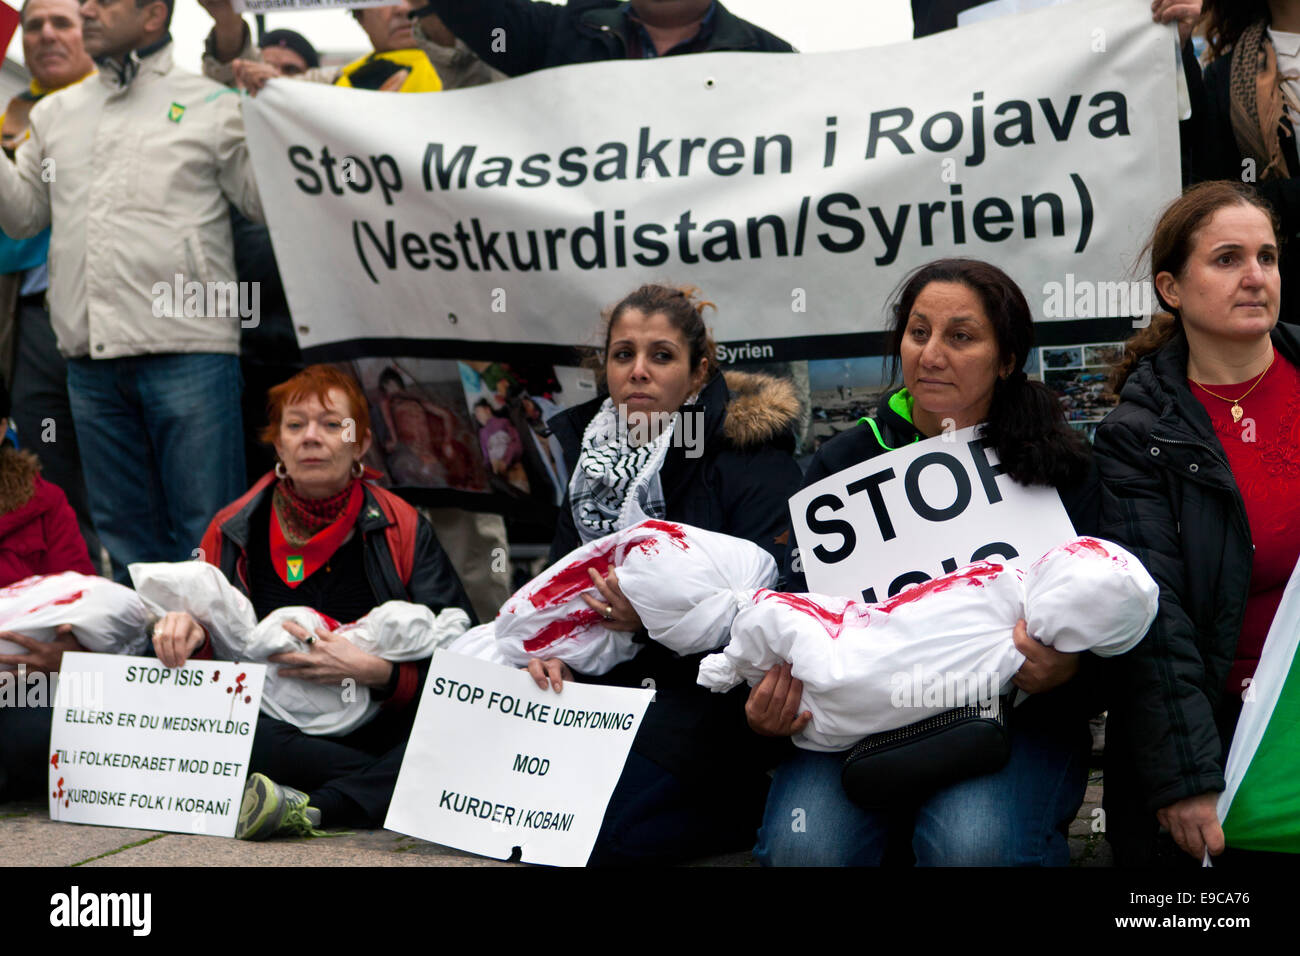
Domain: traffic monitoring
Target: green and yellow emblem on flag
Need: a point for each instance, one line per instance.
(293, 564)
(175, 112)
(1260, 806)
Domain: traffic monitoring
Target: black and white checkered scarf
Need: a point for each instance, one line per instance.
(616, 484)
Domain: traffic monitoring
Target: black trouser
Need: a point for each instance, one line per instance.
(42, 414)
(24, 752)
(657, 817)
(349, 779)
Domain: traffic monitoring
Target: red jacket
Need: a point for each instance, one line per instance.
(42, 535)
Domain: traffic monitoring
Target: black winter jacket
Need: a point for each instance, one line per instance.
(1168, 496)
(740, 486)
(1082, 696)
(540, 35)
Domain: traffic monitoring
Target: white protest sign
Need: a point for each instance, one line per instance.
(920, 512)
(298, 6)
(490, 216)
(158, 748)
(495, 763)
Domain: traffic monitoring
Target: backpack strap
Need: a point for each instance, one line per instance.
(400, 534)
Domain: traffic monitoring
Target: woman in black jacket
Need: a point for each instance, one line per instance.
(694, 782)
(962, 331)
(1200, 467)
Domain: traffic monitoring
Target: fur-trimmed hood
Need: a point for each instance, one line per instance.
(762, 408)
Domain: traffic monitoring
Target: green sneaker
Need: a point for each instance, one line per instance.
(270, 809)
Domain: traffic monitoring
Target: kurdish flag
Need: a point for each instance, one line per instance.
(1260, 808)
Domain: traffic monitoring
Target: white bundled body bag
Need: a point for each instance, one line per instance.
(686, 584)
(396, 631)
(105, 616)
(939, 645)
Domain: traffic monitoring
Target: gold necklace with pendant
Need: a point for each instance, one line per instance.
(1236, 409)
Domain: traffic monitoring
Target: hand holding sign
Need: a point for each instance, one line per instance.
(176, 637)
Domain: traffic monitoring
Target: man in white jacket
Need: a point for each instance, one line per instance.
(133, 170)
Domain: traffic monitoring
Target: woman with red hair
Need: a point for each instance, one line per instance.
(317, 533)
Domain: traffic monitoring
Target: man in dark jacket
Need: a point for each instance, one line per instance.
(520, 36)
(1169, 496)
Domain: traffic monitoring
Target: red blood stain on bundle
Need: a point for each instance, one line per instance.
(72, 598)
(559, 630)
(975, 576)
(571, 581)
(833, 622)
(675, 532)
(1086, 546)
(54, 761)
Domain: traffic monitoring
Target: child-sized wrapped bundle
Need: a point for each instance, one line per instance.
(396, 631)
(202, 591)
(859, 662)
(686, 585)
(946, 643)
(1090, 595)
(104, 616)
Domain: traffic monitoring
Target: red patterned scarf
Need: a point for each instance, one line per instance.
(306, 532)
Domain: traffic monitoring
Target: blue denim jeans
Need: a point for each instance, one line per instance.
(162, 449)
(1018, 816)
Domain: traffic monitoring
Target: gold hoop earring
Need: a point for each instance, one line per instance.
(358, 469)
(280, 471)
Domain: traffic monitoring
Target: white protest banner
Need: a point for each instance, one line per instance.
(919, 512)
(158, 748)
(494, 763)
(795, 190)
(297, 6)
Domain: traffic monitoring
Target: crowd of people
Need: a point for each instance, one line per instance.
(137, 443)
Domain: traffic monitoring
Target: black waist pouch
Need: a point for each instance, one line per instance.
(904, 766)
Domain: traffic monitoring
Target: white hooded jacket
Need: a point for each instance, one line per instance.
(134, 170)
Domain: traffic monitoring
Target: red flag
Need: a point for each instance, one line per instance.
(8, 27)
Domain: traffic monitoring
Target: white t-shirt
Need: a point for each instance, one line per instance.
(1287, 46)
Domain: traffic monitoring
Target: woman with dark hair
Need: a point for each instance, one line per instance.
(961, 333)
(1200, 468)
(1247, 130)
(695, 781)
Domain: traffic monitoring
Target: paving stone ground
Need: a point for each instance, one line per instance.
(29, 838)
